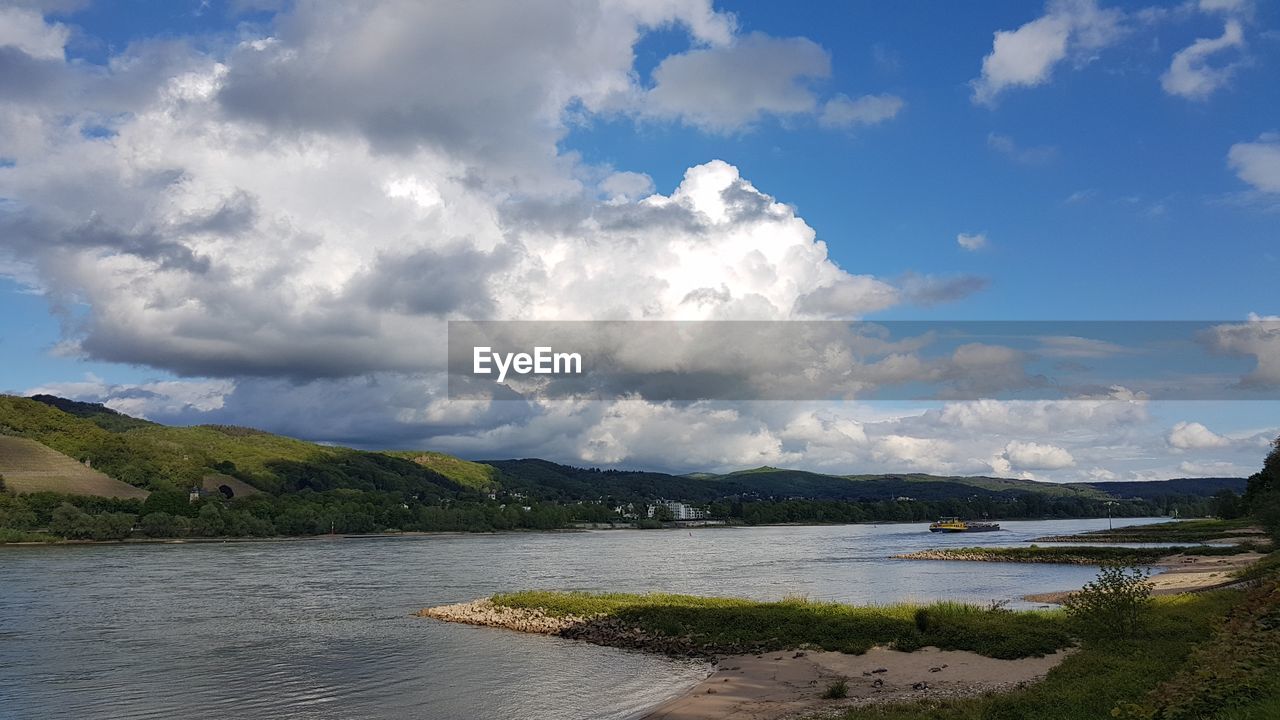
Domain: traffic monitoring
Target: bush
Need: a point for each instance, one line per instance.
(1114, 605)
(164, 525)
(837, 689)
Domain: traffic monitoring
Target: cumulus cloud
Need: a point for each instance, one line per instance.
(1191, 75)
(1258, 162)
(1036, 456)
(972, 241)
(1194, 436)
(1027, 56)
(1258, 338)
(237, 221)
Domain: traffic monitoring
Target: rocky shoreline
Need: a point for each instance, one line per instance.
(982, 556)
(598, 630)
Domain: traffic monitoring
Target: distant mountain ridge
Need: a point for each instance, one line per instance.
(568, 482)
(140, 452)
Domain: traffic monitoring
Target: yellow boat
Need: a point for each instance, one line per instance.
(955, 524)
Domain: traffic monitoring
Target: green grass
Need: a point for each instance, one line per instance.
(733, 624)
(9, 535)
(1092, 682)
(1192, 531)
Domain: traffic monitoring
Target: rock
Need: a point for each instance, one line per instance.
(880, 670)
(935, 669)
(877, 683)
(920, 686)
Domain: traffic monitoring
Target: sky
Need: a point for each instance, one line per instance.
(265, 213)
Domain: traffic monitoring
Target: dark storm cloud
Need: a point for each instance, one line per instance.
(430, 282)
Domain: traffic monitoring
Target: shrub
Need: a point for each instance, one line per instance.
(1113, 605)
(837, 689)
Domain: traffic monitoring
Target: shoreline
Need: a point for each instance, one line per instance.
(1181, 574)
(438, 533)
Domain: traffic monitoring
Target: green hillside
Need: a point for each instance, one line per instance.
(152, 456)
(464, 472)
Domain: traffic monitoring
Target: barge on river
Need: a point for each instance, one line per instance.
(953, 525)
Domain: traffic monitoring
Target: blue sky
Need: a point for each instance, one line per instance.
(1107, 185)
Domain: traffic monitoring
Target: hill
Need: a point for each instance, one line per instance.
(29, 467)
(549, 480)
(153, 456)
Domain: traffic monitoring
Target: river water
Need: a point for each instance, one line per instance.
(323, 629)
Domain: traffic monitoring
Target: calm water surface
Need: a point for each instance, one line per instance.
(321, 630)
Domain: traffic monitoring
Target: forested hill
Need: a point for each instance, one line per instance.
(565, 482)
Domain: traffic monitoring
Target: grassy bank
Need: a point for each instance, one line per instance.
(1072, 555)
(728, 626)
(1181, 531)
(1104, 675)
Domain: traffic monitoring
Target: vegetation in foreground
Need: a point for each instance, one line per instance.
(1070, 555)
(735, 625)
(1188, 531)
(1103, 675)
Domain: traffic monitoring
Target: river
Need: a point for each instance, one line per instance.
(323, 629)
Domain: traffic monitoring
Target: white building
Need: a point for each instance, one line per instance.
(680, 511)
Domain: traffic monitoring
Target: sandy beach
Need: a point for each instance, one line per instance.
(784, 684)
(1182, 573)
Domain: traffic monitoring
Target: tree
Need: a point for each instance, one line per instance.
(1226, 505)
(662, 513)
(172, 502)
(1114, 605)
(112, 526)
(1262, 494)
(162, 524)
(71, 522)
(209, 521)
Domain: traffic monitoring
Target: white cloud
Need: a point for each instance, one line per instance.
(27, 31)
(1194, 436)
(1213, 469)
(1258, 338)
(841, 111)
(1027, 56)
(1258, 162)
(972, 241)
(1191, 76)
(145, 400)
(722, 89)
(1037, 456)
(627, 186)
